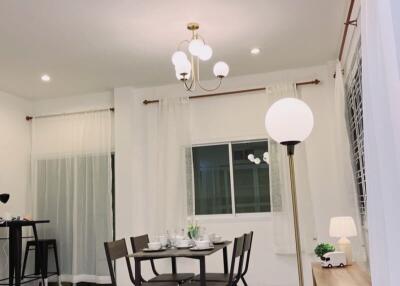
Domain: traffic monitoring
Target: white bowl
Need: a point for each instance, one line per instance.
(183, 243)
(202, 244)
(154, 245)
(217, 238)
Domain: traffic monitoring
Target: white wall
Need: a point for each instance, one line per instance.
(14, 162)
(236, 117)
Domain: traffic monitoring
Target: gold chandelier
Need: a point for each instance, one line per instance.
(187, 69)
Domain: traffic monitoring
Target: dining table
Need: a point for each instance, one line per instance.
(15, 248)
(174, 253)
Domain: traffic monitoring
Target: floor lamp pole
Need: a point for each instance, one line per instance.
(290, 149)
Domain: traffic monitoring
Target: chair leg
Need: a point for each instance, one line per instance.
(244, 281)
(56, 258)
(25, 259)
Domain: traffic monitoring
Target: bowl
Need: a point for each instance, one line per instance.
(202, 244)
(183, 243)
(217, 238)
(154, 245)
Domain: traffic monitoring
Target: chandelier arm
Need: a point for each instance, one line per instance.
(212, 89)
(188, 88)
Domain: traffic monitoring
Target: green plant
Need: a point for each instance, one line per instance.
(323, 248)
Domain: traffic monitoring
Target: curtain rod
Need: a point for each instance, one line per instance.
(315, 81)
(346, 28)
(28, 118)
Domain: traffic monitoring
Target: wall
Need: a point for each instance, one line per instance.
(237, 117)
(14, 162)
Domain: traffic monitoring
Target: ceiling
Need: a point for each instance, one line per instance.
(95, 45)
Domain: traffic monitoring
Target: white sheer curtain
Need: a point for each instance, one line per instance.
(174, 157)
(71, 186)
(381, 103)
(282, 214)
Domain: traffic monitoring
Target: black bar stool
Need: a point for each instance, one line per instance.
(43, 252)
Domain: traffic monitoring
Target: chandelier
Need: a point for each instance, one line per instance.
(187, 69)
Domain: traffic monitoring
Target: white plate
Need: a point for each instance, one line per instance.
(153, 250)
(219, 242)
(184, 247)
(201, 249)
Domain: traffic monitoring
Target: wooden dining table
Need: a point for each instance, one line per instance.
(174, 253)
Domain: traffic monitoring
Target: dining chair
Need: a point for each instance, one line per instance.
(139, 243)
(116, 250)
(248, 242)
(226, 279)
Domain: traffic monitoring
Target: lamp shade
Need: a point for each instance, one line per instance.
(342, 226)
(4, 198)
(289, 120)
(221, 69)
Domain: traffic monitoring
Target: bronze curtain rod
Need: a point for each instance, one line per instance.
(315, 81)
(346, 28)
(28, 118)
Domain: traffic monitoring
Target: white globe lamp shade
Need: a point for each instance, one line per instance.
(183, 68)
(206, 53)
(257, 161)
(178, 58)
(221, 69)
(251, 157)
(289, 120)
(195, 47)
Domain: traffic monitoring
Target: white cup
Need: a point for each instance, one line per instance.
(154, 245)
(217, 238)
(202, 244)
(164, 240)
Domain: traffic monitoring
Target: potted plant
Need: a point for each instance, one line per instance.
(323, 248)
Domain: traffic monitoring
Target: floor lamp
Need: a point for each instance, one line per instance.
(289, 121)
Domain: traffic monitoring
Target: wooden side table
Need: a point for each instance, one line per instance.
(352, 275)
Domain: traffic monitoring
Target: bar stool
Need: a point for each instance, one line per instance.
(43, 251)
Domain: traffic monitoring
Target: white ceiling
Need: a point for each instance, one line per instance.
(95, 45)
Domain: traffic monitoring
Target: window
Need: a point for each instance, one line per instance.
(227, 182)
(356, 131)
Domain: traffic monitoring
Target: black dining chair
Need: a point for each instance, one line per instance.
(116, 250)
(248, 242)
(139, 243)
(226, 279)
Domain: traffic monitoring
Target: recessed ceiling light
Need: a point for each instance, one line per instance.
(255, 51)
(45, 78)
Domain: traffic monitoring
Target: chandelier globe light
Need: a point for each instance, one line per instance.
(187, 65)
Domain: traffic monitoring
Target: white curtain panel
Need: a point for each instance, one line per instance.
(381, 102)
(282, 214)
(174, 160)
(71, 186)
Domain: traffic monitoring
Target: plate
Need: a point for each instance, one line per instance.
(153, 250)
(219, 242)
(184, 247)
(201, 249)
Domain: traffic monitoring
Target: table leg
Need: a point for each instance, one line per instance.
(138, 272)
(18, 254)
(173, 263)
(225, 251)
(11, 257)
(202, 271)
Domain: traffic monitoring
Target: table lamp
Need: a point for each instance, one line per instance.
(343, 227)
(290, 121)
(4, 198)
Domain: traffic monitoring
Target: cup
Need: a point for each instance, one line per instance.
(164, 240)
(217, 238)
(154, 245)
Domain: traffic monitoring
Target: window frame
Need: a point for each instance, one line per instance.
(234, 214)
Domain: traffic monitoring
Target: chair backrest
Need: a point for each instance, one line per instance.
(238, 247)
(248, 242)
(116, 250)
(139, 242)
